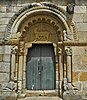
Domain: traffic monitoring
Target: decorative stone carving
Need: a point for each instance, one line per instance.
(59, 50)
(11, 86)
(75, 36)
(30, 6)
(15, 21)
(21, 48)
(13, 38)
(14, 50)
(41, 35)
(68, 51)
(66, 36)
(43, 28)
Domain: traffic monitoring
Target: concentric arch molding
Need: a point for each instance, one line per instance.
(15, 21)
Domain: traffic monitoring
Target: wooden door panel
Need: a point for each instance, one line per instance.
(33, 81)
(40, 68)
(46, 74)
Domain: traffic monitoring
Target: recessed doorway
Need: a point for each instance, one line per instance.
(40, 67)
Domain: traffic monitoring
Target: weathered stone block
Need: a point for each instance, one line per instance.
(4, 67)
(81, 26)
(6, 58)
(2, 98)
(81, 2)
(76, 59)
(85, 17)
(84, 59)
(82, 36)
(76, 62)
(75, 76)
(19, 3)
(80, 9)
(2, 36)
(6, 15)
(78, 17)
(1, 49)
(7, 49)
(16, 9)
(12, 9)
(78, 51)
(1, 56)
(2, 28)
(8, 96)
(84, 86)
(4, 20)
(4, 77)
(71, 97)
(82, 67)
(83, 76)
(3, 9)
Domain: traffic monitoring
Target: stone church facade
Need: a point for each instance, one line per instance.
(43, 48)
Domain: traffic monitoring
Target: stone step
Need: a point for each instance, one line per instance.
(41, 98)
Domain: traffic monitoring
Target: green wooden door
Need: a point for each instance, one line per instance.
(40, 73)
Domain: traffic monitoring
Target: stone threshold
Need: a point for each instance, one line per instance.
(41, 93)
(40, 98)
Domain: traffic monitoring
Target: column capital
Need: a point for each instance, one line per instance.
(59, 50)
(21, 48)
(14, 50)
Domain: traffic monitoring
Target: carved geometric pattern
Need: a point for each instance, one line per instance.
(31, 6)
(42, 29)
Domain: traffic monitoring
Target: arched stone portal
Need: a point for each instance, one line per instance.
(38, 24)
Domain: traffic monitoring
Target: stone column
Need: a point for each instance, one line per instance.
(69, 68)
(20, 73)
(60, 68)
(24, 73)
(20, 66)
(12, 66)
(13, 63)
(69, 64)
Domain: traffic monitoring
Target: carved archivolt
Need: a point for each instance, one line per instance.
(29, 8)
(58, 18)
(41, 28)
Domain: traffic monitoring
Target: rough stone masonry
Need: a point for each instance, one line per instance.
(71, 77)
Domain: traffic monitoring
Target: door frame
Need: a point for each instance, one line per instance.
(26, 47)
(54, 66)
